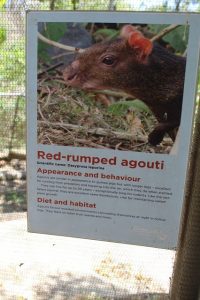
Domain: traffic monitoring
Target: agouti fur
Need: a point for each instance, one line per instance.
(133, 64)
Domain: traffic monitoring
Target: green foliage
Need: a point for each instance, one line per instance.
(12, 66)
(106, 33)
(2, 35)
(120, 108)
(53, 31)
(177, 38)
(2, 2)
(17, 197)
(7, 115)
(58, 4)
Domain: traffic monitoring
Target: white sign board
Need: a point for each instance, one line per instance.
(86, 178)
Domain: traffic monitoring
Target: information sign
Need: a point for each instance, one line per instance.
(95, 168)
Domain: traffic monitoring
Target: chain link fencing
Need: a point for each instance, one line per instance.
(47, 267)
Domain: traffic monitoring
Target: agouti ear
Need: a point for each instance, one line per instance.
(137, 41)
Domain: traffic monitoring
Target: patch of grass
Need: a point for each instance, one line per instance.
(17, 197)
(12, 115)
(12, 73)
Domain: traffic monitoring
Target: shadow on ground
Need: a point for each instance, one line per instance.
(12, 187)
(85, 288)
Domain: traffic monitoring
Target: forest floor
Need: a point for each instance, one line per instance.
(98, 119)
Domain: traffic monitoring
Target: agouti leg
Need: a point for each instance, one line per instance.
(157, 135)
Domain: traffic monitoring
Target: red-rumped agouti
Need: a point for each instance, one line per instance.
(135, 65)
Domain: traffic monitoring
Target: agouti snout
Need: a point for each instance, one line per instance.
(133, 64)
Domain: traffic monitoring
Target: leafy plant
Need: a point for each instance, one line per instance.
(2, 35)
(2, 2)
(177, 38)
(16, 197)
(12, 73)
(105, 33)
(121, 107)
(53, 31)
(14, 128)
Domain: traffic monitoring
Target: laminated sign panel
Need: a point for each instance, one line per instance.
(110, 106)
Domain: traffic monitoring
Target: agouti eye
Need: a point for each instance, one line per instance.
(108, 60)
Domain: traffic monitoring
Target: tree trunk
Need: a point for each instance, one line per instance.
(186, 276)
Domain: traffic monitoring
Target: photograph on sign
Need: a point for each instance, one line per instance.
(126, 89)
(108, 124)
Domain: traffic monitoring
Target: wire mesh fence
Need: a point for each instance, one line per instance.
(37, 267)
(12, 58)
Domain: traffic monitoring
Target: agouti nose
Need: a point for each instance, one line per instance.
(71, 75)
(72, 71)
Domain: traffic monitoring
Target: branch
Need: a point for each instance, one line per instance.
(164, 32)
(80, 50)
(103, 132)
(58, 45)
(97, 131)
(90, 143)
(52, 4)
(177, 5)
